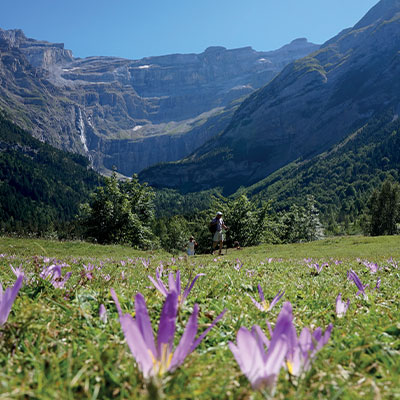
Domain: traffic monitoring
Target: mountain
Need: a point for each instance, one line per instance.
(314, 103)
(341, 179)
(130, 113)
(41, 187)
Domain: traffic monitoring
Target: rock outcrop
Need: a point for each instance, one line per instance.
(116, 111)
(311, 105)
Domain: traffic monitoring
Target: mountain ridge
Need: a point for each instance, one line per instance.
(311, 105)
(86, 105)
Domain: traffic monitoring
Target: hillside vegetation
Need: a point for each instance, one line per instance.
(341, 179)
(40, 187)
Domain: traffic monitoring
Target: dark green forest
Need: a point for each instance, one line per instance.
(341, 180)
(40, 187)
(45, 191)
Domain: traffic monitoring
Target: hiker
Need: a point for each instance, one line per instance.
(191, 244)
(217, 225)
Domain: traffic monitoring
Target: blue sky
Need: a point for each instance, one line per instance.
(139, 28)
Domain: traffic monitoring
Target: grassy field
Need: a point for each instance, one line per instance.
(54, 345)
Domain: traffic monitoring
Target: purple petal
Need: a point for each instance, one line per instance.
(178, 282)
(137, 344)
(171, 283)
(185, 345)
(189, 288)
(354, 277)
(275, 358)
(202, 336)
(261, 293)
(7, 299)
(341, 307)
(256, 303)
(159, 286)
(261, 341)
(378, 283)
(144, 324)
(103, 313)
(166, 327)
(275, 300)
(115, 298)
(284, 326)
(247, 355)
(305, 343)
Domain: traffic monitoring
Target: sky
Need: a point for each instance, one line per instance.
(139, 28)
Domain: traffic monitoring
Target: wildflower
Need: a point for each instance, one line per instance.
(158, 358)
(262, 368)
(361, 288)
(17, 271)
(174, 284)
(238, 266)
(317, 268)
(341, 307)
(373, 267)
(145, 263)
(302, 350)
(264, 305)
(378, 283)
(103, 313)
(88, 271)
(54, 276)
(7, 298)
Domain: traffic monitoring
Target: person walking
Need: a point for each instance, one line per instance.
(217, 225)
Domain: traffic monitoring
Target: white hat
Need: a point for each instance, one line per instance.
(219, 213)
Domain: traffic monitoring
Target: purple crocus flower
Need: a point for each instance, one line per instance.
(7, 298)
(302, 350)
(54, 276)
(262, 368)
(157, 358)
(145, 263)
(361, 288)
(17, 271)
(238, 266)
(317, 268)
(341, 306)
(174, 284)
(88, 271)
(378, 283)
(373, 267)
(264, 305)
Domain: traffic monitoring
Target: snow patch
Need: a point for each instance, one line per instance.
(144, 66)
(137, 127)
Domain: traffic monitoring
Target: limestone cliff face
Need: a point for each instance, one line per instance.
(311, 105)
(96, 105)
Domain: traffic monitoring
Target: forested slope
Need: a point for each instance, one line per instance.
(40, 186)
(343, 178)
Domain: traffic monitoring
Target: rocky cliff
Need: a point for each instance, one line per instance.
(311, 105)
(130, 113)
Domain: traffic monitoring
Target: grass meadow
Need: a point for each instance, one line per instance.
(55, 346)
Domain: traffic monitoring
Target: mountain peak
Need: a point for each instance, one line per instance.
(382, 11)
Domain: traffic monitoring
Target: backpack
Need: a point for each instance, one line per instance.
(212, 227)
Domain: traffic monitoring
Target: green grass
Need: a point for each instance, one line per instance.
(55, 346)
